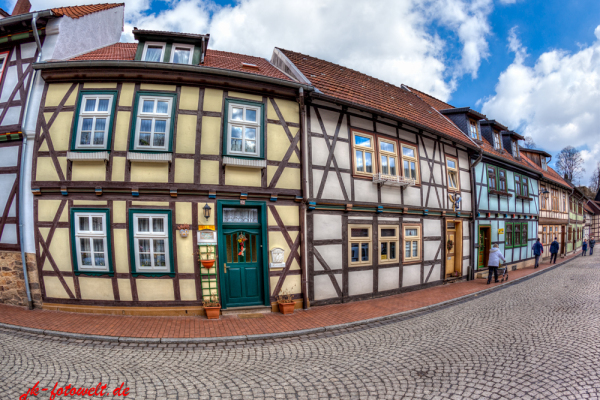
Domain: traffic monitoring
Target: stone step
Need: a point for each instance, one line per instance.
(246, 310)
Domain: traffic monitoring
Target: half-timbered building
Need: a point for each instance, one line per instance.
(594, 206)
(27, 37)
(575, 227)
(166, 174)
(386, 177)
(554, 203)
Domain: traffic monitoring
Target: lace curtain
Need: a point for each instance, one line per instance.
(244, 215)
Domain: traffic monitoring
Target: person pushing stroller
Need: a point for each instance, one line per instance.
(494, 263)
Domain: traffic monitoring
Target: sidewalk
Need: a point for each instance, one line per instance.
(200, 327)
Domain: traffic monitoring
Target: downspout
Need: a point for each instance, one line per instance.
(303, 172)
(22, 166)
(471, 275)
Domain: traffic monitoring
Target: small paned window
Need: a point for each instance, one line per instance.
(388, 244)
(544, 235)
(388, 157)
(410, 162)
(524, 234)
(491, 173)
(515, 149)
(91, 240)
(453, 179)
(359, 246)
(517, 185)
(508, 237)
(153, 128)
(153, 52)
(364, 153)
(244, 129)
(473, 129)
(94, 121)
(544, 164)
(497, 140)
(501, 180)
(412, 243)
(182, 53)
(151, 241)
(524, 187)
(517, 235)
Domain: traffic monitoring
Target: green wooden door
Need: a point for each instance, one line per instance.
(242, 267)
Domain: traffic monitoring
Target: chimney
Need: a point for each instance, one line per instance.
(22, 7)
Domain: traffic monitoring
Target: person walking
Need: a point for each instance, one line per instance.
(592, 244)
(494, 262)
(554, 246)
(538, 249)
(584, 248)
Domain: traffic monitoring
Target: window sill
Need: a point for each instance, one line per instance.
(500, 193)
(88, 155)
(258, 163)
(153, 274)
(393, 180)
(149, 157)
(94, 273)
(524, 198)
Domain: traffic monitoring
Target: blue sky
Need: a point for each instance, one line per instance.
(532, 65)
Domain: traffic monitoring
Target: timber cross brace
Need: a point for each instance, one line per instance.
(292, 149)
(292, 244)
(331, 156)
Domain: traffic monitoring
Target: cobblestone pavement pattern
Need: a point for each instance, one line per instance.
(538, 339)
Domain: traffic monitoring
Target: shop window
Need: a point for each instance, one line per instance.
(359, 246)
(388, 244)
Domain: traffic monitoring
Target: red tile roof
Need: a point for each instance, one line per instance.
(351, 86)
(503, 154)
(80, 11)
(432, 101)
(213, 59)
(550, 174)
(117, 51)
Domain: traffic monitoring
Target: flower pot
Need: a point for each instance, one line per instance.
(207, 263)
(286, 308)
(213, 312)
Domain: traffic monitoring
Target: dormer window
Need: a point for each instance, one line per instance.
(153, 52)
(473, 130)
(497, 141)
(515, 149)
(182, 53)
(544, 164)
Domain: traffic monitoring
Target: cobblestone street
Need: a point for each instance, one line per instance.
(537, 339)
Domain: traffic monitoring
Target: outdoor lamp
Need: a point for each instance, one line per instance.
(206, 209)
(545, 193)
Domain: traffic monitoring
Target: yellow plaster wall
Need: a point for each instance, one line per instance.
(125, 290)
(56, 92)
(289, 179)
(290, 110)
(154, 86)
(126, 98)
(183, 213)
(209, 172)
(236, 176)
(186, 134)
(100, 85)
(155, 289)
(149, 172)
(45, 170)
(213, 100)
(292, 284)
(201, 219)
(88, 171)
(121, 130)
(278, 143)
(120, 250)
(47, 210)
(189, 98)
(55, 289)
(290, 216)
(118, 168)
(119, 213)
(60, 129)
(90, 202)
(62, 162)
(150, 203)
(59, 248)
(96, 288)
(184, 170)
(185, 252)
(276, 239)
(187, 288)
(253, 97)
(211, 135)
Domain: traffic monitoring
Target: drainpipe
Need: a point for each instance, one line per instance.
(22, 166)
(471, 275)
(303, 172)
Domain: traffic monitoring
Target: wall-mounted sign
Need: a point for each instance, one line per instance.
(207, 234)
(277, 258)
(501, 231)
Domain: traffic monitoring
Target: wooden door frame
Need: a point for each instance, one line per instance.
(262, 207)
(487, 244)
(458, 239)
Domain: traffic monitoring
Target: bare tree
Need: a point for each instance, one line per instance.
(529, 143)
(595, 180)
(569, 163)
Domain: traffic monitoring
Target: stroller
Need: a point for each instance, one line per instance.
(504, 270)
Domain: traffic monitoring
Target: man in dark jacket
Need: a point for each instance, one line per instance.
(592, 243)
(554, 246)
(538, 249)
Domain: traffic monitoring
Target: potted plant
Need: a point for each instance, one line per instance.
(212, 307)
(286, 302)
(207, 263)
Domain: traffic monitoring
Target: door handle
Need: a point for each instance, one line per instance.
(225, 267)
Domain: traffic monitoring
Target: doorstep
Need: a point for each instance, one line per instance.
(247, 310)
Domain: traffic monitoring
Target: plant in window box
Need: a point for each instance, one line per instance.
(212, 307)
(286, 302)
(207, 255)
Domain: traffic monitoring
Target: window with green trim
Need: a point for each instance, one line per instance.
(90, 238)
(524, 235)
(517, 185)
(501, 180)
(524, 186)
(150, 235)
(154, 122)
(95, 116)
(492, 180)
(508, 235)
(243, 129)
(516, 234)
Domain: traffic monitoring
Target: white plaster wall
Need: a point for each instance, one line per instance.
(314, 127)
(9, 234)
(327, 226)
(332, 255)
(330, 120)
(389, 130)
(9, 156)
(430, 248)
(408, 136)
(389, 279)
(435, 273)
(391, 195)
(432, 227)
(411, 275)
(365, 191)
(342, 154)
(6, 184)
(10, 81)
(357, 122)
(360, 282)
(412, 196)
(324, 288)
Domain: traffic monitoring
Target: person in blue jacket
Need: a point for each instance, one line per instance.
(554, 246)
(584, 248)
(538, 249)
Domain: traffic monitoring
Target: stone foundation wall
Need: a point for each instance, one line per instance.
(12, 283)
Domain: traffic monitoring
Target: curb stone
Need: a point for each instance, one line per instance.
(280, 335)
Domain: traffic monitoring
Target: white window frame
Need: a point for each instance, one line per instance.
(91, 235)
(387, 240)
(154, 116)
(151, 236)
(544, 163)
(94, 114)
(456, 171)
(360, 241)
(415, 159)
(497, 140)
(244, 124)
(163, 45)
(515, 148)
(364, 149)
(411, 239)
(388, 154)
(190, 47)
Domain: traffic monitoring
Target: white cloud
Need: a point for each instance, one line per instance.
(394, 40)
(556, 100)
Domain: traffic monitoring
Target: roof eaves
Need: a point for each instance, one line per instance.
(495, 123)
(506, 132)
(16, 19)
(464, 110)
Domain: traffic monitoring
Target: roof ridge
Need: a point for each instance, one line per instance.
(427, 94)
